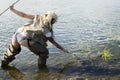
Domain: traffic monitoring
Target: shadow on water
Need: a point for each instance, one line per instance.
(91, 71)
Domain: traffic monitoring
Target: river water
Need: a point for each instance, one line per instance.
(84, 26)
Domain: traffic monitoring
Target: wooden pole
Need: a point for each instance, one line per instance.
(8, 7)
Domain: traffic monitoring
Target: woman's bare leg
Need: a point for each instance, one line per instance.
(23, 43)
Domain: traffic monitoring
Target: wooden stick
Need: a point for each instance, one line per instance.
(8, 7)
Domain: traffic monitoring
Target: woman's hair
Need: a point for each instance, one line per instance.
(50, 17)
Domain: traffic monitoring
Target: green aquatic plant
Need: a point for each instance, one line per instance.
(107, 55)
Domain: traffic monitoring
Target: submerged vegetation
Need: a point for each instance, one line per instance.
(107, 55)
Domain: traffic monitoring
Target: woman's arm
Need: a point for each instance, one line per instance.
(57, 45)
(21, 14)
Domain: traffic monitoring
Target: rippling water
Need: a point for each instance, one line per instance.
(83, 25)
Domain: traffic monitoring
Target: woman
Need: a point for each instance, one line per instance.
(33, 36)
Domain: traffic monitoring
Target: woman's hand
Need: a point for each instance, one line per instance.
(65, 50)
(11, 7)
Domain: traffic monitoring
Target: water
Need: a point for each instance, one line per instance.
(82, 23)
(84, 26)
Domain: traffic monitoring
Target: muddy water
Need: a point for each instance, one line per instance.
(84, 27)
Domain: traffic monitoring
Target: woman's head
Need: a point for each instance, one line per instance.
(51, 17)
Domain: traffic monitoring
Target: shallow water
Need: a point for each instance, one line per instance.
(84, 27)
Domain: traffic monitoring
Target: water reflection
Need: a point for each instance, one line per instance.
(15, 73)
(42, 74)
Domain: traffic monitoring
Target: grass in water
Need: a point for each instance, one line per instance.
(107, 55)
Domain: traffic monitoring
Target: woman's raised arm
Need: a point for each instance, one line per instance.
(21, 14)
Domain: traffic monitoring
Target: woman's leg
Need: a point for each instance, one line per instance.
(12, 51)
(15, 47)
(42, 60)
(24, 43)
(9, 55)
